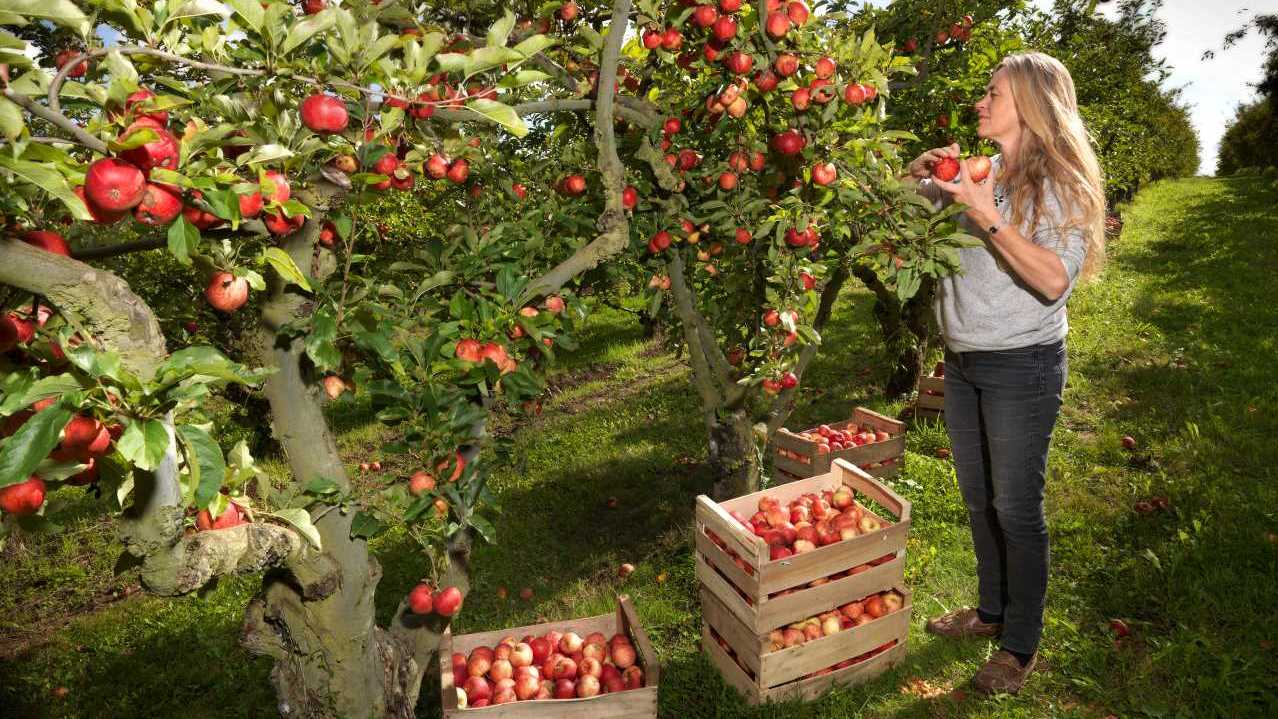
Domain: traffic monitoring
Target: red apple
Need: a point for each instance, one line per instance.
(226, 292)
(420, 599)
(23, 498)
(447, 601)
(114, 185)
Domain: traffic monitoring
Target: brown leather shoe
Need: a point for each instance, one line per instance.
(962, 624)
(1003, 674)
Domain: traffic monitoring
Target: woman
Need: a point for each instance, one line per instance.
(1041, 216)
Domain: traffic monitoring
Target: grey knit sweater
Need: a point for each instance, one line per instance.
(986, 307)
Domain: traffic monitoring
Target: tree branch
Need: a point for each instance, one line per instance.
(614, 227)
(703, 377)
(58, 120)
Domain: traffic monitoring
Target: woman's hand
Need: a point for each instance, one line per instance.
(921, 167)
(979, 197)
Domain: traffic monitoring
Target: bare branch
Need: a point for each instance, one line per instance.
(703, 376)
(614, 227)
(59, 120)
(125, 248)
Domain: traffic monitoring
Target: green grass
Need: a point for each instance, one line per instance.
(1174, 345)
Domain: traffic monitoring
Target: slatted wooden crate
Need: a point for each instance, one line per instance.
(880, 459)
(807, 670)
(743, 603)
(630, 704)
(931, 402)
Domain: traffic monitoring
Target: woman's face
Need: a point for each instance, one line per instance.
(996, 112)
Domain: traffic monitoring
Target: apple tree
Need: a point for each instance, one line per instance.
(248, 140)
(781, 181)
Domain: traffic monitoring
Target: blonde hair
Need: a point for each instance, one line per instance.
(1055, 148)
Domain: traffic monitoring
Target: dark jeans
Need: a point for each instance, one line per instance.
(1000, 408)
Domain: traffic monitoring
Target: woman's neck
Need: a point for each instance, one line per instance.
(1008, 147)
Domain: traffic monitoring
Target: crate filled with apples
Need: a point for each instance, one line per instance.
(773, 559)
(868, 440)
(847, 644)
(601, 666)
(931, 403)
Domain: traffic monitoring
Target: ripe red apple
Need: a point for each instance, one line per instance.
(84, 438)
(565, 668)
(570, 642)
(477, 688)
(280, 224)
(625, 570)
(801, 99)
(458, 171)
(527, 686)
(447, 601)
(574, 185)
(226, 292)
(540, 648)
(777, 25)
(66, 56)
(789, 142)
(205, 521)
(652, 39)
(114, 185)
(158, 206)
(875, 607)
(565, 689)
(786, 64)
(568, 11)
(945, 169)
(705, 15)
(623, 654)
(892, 601)
(420, 483)
(824, 173)
(23, 498)
(420, 599)
(725, 28)
(501, 667)
(629, 197)
(672, 39)
(730, 5)
(276, 186)
(740, 63)
(162, 152)
(47, 241)
(978, 167)
(1129, 442)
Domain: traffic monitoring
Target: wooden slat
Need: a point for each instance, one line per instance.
(778, 612)
(932, 402)
(878, 421)
(720, 560)
(748, 504)
(630, 704)
(875, 452)
(930, 383)
(860, 481)
(786, 464)
(859, 673)
(832, 558)
(748, 645)
(789, 664)
(715, 584)
(789, 440)
(728, 668)
(715, 517)
(632, 628)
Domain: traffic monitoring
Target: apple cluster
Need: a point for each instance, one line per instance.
(445, 602)
(848, 616)
(808, 522)
(828, 440)
(84, 440)
(556, 665)
(850, 661)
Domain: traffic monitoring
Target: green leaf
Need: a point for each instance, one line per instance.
(286, 267)
(266, 153)
(500, 30)
(486, 58)
(301, 521)
(521, 78)
(11, 122)
(23, 452)
(484, 528)
(144, 443)
(500, 113)
(438, 279)
(199, 8)
(204, 458)
(366, 526)
(321, 487)
(62, 12)
(250, 11)
(306, 29)
(535, 44)
(321, 344)
(377, 49)
(47, 178)
(184, 240)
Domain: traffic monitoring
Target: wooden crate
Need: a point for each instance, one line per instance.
(931, 402)
(631, 704)
(788, 673)
(888, 454)
(749, 593)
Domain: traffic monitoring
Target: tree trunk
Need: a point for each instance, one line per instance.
(904, 327)
(734, 453)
